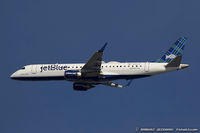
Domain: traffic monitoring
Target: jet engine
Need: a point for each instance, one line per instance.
(82, 86)
(72, 74)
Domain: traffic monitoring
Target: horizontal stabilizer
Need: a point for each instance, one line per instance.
(175, 62)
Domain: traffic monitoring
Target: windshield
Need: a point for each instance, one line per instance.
(23, 68)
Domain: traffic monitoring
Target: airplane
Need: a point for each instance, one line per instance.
(95, 71)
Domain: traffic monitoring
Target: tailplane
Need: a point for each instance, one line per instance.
(176, 49)
(175, 62)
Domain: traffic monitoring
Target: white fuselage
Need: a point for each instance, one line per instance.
(109, 71)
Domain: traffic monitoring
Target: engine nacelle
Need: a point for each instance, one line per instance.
(72, 74)
(82, 86)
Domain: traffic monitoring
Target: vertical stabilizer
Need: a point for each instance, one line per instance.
(176, 49)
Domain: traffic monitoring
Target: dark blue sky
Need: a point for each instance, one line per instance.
(69, 31)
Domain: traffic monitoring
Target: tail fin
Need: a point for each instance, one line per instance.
(176, 49)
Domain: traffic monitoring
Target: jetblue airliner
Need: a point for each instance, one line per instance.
(95, 71)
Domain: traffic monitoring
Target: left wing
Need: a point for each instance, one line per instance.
(93, 67)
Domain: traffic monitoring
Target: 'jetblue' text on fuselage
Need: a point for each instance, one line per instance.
(52, 68)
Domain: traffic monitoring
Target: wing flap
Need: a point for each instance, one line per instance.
(118, 85)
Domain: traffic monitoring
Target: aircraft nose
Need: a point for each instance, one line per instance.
(13, 76)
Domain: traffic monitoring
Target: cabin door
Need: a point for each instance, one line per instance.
(34, 69)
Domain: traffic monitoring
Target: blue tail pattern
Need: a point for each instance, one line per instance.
(176, 49)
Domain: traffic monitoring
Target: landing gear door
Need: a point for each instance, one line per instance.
(146, 67)
(34, 69)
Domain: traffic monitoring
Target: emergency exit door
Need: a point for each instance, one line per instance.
(146, 67)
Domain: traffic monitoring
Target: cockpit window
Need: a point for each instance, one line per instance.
(23, 68)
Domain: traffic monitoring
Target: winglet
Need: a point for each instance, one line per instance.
(102, 49)
(175, 62)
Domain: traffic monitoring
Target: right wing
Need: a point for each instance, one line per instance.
(81, 86)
